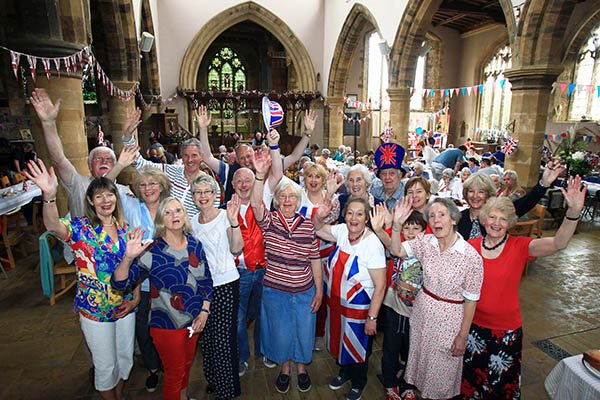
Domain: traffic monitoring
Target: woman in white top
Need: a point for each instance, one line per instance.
(448, 185)
(219, 232)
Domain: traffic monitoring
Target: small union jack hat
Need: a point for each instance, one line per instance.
(390, 155)
(272, 113)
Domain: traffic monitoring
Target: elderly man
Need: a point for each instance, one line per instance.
(389, 187)
(244, 153)
(489, 167)
(450, 158)
(322, 161)
(101, 160)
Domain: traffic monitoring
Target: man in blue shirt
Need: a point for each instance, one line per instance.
(500, 156)
(450, 158)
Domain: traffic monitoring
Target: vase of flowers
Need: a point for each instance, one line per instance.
(574, 155)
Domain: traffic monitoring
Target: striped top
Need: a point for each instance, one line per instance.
(288, 255)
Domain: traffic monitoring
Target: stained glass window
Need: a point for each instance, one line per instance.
(227, 72)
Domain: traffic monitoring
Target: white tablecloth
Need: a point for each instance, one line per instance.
(592, 188)
(20, 199)
(570, 379)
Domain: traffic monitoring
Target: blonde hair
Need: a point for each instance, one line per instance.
(481, 181)
(502, 204)
(159, 226)
(152, 173)
(311, 166)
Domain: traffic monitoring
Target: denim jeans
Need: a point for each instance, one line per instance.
(250, 290)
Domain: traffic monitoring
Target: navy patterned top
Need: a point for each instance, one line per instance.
(180, 281)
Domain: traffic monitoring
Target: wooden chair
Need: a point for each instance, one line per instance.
(538, 213)
(4, 181)
(12, 234)
(524, 228)
(19, 177)
(66, 272)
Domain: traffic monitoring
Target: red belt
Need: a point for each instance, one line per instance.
(427, 292)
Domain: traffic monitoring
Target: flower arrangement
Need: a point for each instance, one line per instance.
(573, 153)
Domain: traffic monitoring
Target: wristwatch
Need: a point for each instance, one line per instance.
(308, 134)
(371, 318)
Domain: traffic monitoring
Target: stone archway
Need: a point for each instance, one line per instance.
(252, 12)
(358, 21)
(580, 35)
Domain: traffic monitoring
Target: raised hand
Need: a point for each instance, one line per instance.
(310, 120)
(402, 211)
(132, 120)
(135, 247)
(273, 138)
(378, 216)
(46, 111)
(45, 179)
(324, 209)
(128, 155)
(233, 209)
(202, 117)
(335, 180)
(262, 162)
(575, 195)
(552, 171)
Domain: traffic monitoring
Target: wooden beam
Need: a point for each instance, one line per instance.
(451, 19)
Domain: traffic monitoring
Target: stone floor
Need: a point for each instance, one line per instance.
(42, 358)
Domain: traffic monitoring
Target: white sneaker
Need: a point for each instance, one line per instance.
(243, 368)
(319, 343)
(268, 363)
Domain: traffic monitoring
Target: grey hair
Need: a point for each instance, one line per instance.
(204, 179)
(326, 151)
(159, 224)
(101, 148)
(350, 161)
(513, 174)
(418, 165)
(502, 204)
(191, 142)
(448, 172)
(449, 204)
(348, 148)
(364, 172)
(283, 184)
(465, 169)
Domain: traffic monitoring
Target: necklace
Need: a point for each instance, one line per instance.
(496, 246)
(112, 222)
(359, 236)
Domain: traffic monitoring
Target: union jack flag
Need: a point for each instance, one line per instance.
(387, 134)
(101, 141)
(511, 146)
(347, 309)
(388, 154)
(438, 140)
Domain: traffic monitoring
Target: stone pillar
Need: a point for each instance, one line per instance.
(336, 122)
(117, 110)
(400, 114)
(531, 86)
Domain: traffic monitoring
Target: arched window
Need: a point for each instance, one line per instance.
(494, 111)
(585, 103)
(226, 71)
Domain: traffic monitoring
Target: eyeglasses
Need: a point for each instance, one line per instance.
(103, 159)
(286, 196)
(148, 185)
(203, 193)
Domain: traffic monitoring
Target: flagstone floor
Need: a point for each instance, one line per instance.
(41, 349)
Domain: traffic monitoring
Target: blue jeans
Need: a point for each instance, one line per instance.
(250, 289)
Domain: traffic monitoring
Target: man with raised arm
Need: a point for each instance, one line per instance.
(100, 161)
(244, 153)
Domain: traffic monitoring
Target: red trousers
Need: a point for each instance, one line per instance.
(176, 350)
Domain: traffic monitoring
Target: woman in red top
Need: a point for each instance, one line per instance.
(492, 360)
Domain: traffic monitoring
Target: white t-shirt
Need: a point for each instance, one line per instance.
(215, 243)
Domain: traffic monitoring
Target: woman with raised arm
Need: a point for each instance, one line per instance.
(98, 243)
(293, 280)
(492, 363)
(219, 231)
(443, 309)
(355, 280)
(180, 286)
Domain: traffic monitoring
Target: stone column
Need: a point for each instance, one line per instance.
(336, 122)
(531, 86)
(400, 114)
(117, 110)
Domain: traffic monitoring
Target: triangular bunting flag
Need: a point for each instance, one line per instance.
(571, 88)
(463, 91)
(32, 64)
(588, 90)
(563, 86)
(502, 83)
(46, 63)
(475, 90)
(428, 91)
(74, 62)
(67, 62)
(480, 88)
(553, 87)
(598, 91)
(80, 57)
(57, 64)
(469, 90)
(456, 90)
(14, 59)
(432, 92)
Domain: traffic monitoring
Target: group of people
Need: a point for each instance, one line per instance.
(194, 250)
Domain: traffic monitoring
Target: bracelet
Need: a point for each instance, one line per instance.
(205, 310)
(371, 318)
(307, 134)
(462, 337)
(276, 147)
(233, 227)
(50, 201)
(544, 186)
(572, 218)
(259, 179)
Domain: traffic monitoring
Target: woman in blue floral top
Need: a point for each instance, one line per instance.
(98, 242)
(180, 288)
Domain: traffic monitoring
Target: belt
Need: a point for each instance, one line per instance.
(427, 292)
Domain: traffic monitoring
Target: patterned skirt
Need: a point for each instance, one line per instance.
(492, 364)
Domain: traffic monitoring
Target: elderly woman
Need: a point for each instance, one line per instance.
(358, 183)
(448, 185)
(150, 186)
(492, 362)
(419, 170)
(219, 231)
(354, 275)
(98, 243)
(478, 188)
(511, 188)
(443, 309)
(181, 290)
(293, 280)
